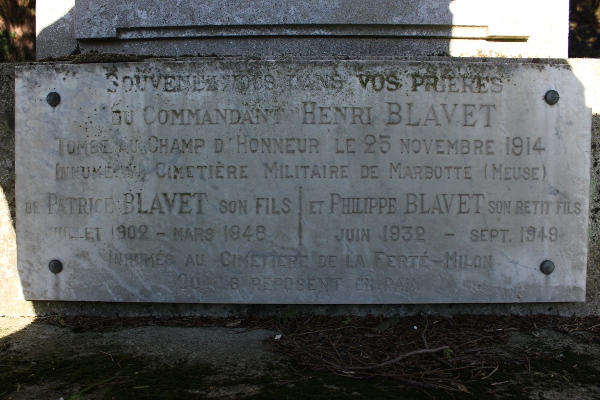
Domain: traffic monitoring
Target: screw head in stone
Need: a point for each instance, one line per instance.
(53, 99)
(55, 266)
(551, 97)
(547, 267)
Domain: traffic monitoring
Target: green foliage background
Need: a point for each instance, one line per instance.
(17, 30)
(584, 29)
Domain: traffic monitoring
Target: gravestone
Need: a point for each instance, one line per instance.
(362, 178)
(299, 181)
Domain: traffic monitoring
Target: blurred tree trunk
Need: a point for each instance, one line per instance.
(17, 30)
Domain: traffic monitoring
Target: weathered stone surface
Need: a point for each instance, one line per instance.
(11, 297)
(302, 182)
(55, 32)
(532, 28)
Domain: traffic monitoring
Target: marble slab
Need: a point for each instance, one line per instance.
(295, 181)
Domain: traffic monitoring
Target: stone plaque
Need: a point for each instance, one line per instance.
(294, 181)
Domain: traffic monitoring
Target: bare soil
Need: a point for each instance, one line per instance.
(300, 356)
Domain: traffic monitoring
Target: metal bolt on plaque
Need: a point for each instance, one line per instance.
(55, 266)
(53, 99)
(551, 97)
(547, 267)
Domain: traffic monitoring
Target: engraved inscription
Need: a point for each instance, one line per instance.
(297, 181)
